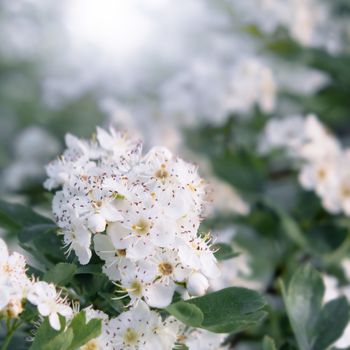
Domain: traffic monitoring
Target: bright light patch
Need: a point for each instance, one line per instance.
(117, 28)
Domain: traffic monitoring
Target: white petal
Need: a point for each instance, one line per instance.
(139, 249)
(64, 310)
(83, 254)
(104, 247)
(188, 257)
(209, 265)
(110, 213)
(3, 252)
(118, 234)
(44, 309)
(4, 297)
(158, 295)
(96, 223)
(55, 321)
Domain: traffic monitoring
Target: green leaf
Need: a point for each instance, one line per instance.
(60, 274)
(228, 310)
(269, 344)
(45, 335)
(331, 322)
(315, 327)
(30, 233)
(73, 337)
(91, 269)
(84, 332)
(187, 313)
(224, 251)
(16, 216)
(303, 301)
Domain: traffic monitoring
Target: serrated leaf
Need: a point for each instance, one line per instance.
(228, 310)
(45, 334)
(84, 332)
(60, 274)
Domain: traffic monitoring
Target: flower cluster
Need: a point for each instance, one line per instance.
(137, 328)
(142, 328)
(141, 212)
(16, 287)
(325, 166)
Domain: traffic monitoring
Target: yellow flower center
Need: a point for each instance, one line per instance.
(136, 288)
(321, 174)
(162, 173)
(142, 226)
(91, 345)
(120, 252)
(345, 191)
(130, 337)
(165, 269)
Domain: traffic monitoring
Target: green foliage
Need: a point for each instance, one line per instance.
(229, 310)
(78, 333)
(315, 326)
(269, 344)
(224, 251)
(60, 274)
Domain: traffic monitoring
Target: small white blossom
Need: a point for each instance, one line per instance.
(49, 303)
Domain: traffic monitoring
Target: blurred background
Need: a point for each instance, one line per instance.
(164, 70)
(202, 77)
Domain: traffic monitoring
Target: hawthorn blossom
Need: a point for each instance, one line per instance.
(201, 339)
(324, 162)
(139, 213)
(14, 283)
(49, 303)
(141, 328)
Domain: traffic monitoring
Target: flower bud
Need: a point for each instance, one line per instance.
(197, 284)
(97, 223)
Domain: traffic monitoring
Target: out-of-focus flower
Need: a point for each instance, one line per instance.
(324, 162)
(33, 148)
(200, 339)
(14, 283)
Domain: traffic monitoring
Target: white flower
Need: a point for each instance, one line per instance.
(142, 213)
(286, 133)
(49, 303)
(200, 339)
(140, 328)
(112, 256)
(14, 283)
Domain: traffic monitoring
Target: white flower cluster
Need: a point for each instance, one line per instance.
(140, 328)
(16, 287)
(303, 18)
(135, 329)
(325, 166)
(237, 88)
(142, 211)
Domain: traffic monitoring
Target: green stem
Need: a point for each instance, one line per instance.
(10, 334)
